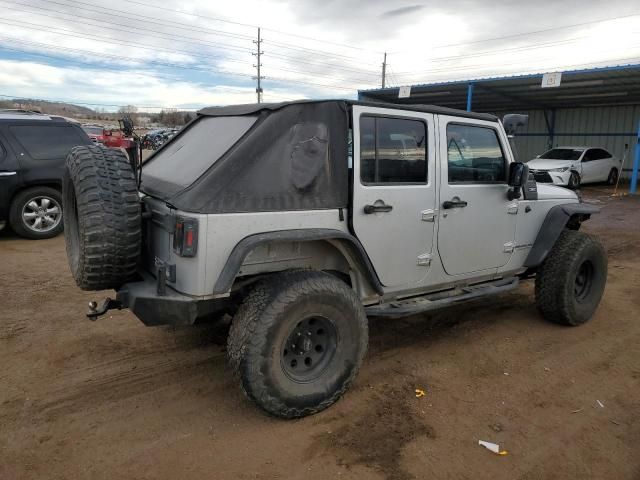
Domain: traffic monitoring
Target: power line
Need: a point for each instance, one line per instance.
(522, 34)
(164, 35)
(218, 19)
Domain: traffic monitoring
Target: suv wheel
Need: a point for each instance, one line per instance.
(36, 213)
(570, 282)
(613, 177)
(297, 341)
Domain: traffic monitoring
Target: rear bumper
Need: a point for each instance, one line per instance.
(171, 308)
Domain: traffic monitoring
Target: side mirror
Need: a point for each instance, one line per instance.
(518, 175)
(537, 156)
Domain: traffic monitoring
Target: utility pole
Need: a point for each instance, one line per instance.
(258, 64)
(384, 70)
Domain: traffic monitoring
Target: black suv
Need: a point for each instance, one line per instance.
(33, 147)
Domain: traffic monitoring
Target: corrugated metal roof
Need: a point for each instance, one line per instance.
(612, 85)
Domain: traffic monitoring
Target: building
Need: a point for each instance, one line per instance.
(594, 107)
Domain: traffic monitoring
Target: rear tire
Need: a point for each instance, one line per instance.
(36, 213)
(297, 342)
(571, 280)
(102, 217)
(613, 177)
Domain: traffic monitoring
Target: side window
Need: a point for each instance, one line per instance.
(589, 155)
(474, 155)
(44, 142)
(602, 154)
(392, 150)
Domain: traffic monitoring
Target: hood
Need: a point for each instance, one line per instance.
(552, 192)
(548, 164)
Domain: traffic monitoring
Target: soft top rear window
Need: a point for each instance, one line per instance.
(190, 154)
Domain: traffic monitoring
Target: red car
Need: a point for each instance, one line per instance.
(112, 138)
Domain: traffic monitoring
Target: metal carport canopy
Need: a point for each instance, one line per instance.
(592, 87)
(618, 85)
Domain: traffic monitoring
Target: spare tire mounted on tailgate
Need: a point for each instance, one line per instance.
(102, 218)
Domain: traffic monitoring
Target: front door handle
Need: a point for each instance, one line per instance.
(454, 204)
(368, 209)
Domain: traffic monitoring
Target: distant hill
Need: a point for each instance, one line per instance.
(51, 108)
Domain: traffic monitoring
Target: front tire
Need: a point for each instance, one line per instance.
(36, 213)
(574, 181)
(612, 179)
(297, 342)
(571, 280)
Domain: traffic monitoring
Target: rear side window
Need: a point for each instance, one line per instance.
(392, 150)
(596, 154)
(197, 148)
(474, 155)
(44, 142)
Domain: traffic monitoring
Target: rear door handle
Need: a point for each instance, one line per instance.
(454, 204)
(368, 209)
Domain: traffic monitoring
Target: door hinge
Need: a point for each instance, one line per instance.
(424, 259)
(512, 209)
(509, 247)
(428, 215)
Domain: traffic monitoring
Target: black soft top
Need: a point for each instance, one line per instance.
(263, 157)
(254, 108)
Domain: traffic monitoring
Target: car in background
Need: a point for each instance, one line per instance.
(95, 132)
(33, 147)
(154, 139)
(573, 166)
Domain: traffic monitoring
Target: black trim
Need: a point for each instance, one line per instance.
(171, 308)
(252, 108)
(247, 244)
(555, 221)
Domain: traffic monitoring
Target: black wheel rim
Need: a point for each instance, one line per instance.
(583, 282)
(309, 348)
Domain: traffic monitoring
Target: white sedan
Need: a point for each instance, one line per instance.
(571, 166)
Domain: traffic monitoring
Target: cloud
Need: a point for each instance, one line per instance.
(398, 12)
(155, 56)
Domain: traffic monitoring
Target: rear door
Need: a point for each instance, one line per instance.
(590, 166)
(394, 192)
(9, 174)
(477, 222)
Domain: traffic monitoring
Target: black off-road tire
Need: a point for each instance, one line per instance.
(260, 336)
(37, 194)
(560, 295)
(612, 179)
(102, 218)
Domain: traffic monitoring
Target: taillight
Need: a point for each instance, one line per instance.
(185, 237)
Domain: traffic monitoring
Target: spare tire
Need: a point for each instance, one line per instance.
(102, 219)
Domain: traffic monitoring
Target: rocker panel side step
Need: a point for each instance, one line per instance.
(411, 306)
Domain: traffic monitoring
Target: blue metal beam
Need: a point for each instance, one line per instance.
(469, 96)
(636, 166)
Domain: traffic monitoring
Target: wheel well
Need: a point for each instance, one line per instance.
(332, 255)
(55, 186)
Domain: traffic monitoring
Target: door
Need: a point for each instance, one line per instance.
(477, 222)
(591, 166)
(394, 192)
(9, 174)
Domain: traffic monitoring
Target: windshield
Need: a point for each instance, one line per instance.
(563, 154)
(92, 130)
(182, 161)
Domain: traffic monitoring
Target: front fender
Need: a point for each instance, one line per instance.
(557, 219)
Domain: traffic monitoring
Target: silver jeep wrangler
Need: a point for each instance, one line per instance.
(301, 219)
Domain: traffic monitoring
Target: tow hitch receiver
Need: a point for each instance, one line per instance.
(108, 304)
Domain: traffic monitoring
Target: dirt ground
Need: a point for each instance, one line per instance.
(116, 400)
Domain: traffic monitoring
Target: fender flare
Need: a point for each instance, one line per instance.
(247, 244)
(556, 220)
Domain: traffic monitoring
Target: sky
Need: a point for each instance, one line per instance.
(191, 53)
